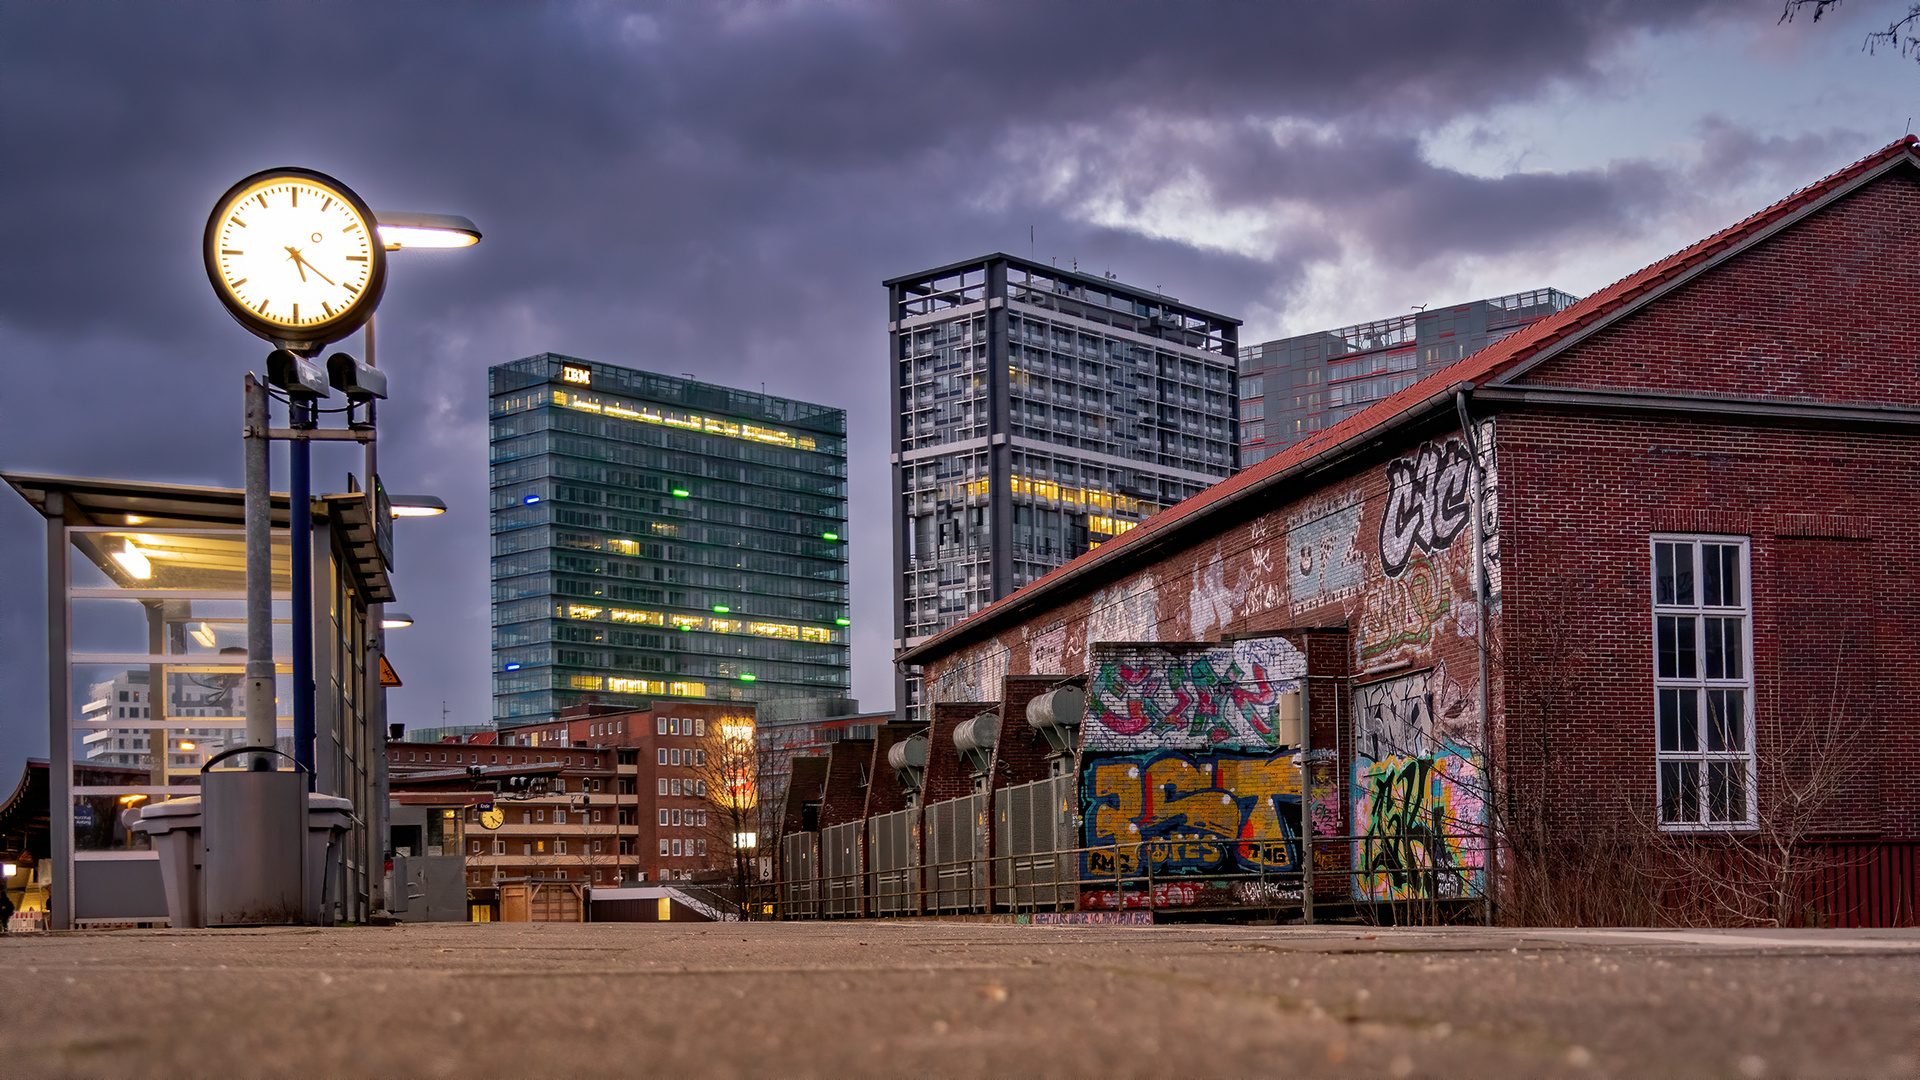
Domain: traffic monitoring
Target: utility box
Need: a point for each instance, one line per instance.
(254, 829)
(533, 900)
(429, 888)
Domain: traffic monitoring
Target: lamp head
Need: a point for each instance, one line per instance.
(409, 229)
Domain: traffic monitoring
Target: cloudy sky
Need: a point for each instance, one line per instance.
(719, 188)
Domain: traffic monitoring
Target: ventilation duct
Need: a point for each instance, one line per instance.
(1056, 715)
(908, 757)
(975, 738)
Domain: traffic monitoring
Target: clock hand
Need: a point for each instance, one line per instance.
(297, 262)
(300, 261)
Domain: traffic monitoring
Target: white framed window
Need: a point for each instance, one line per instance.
(673, 786)
(673, 757)
(662, 751)
(699, 726)
(559, 847)
(663, 729)
(702, 818)
(663, 817)
(663, 785)
(703, 847)
(701, 785)
(676, 847)
(699, 757)
(663, 847)
(559, 817)
(499, 847)
(1703, 681)
(676, 817)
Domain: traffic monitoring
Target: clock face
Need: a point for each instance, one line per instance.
(294, 255)
(493, 819)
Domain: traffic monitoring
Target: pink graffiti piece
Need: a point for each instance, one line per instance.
(1166, 894)
(1258, 692)
(1133, 684)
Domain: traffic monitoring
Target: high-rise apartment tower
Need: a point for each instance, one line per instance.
(1296, 386)
(656, 537)
(1039, 412)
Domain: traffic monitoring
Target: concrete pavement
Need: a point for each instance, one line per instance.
(958, 999)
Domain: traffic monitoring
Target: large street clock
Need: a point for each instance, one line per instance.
(294, 256)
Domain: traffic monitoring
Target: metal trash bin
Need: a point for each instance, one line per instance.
(328, 818)
(255, 838)
(175, 829)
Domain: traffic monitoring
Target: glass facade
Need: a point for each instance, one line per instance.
(1041, 412)
(1293, 387)
(659, 537)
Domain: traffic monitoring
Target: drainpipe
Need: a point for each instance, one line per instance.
(1480, 640)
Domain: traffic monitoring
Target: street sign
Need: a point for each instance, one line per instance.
(83, 816)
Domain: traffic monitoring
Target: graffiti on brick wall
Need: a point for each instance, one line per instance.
(1419, 821)
(1181, 813)
(1417, 791)
(1047, 651)
(1323, 792)
(1324, 563)
(1404, 610)
(1124, 611)
(1428, 502)
(979, 674)
(1191, 697)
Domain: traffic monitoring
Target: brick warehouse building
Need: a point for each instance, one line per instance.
(1692, 500)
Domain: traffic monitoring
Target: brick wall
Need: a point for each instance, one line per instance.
(884, 793)
(809, 776)
(948, 777)
(843, 796)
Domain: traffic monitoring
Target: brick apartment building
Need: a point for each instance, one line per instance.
(1587, 620)
(597, 795)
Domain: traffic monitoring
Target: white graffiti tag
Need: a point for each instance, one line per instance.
(1426, 503)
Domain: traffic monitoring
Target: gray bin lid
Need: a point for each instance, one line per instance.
(158, 818)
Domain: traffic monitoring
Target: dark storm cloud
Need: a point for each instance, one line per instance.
(715, 188)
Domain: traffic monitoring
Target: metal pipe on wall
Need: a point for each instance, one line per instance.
(261, 703)
(300, 537)
(1480, 599)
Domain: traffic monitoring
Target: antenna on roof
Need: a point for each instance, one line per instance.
(1418, 307)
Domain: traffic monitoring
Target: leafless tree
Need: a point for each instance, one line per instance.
(728, 772)
(1899, 34)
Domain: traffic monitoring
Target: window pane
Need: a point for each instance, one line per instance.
(1670, 718)
(1669, 651)
(1726, 720)
(1663, 573)
(1679, 791)
(1730, 575)
(1710, 574)
(1687, 664)
(1727, 791)
(1683, 574)
(1724, 649)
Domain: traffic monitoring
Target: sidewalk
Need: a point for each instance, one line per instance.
(957, 999)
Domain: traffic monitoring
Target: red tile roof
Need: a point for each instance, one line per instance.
(1495, 360)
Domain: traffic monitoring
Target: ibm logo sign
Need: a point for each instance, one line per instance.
(583, 376)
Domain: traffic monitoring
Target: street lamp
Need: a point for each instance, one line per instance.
(409, 229)
(394, 620)
(415, 505)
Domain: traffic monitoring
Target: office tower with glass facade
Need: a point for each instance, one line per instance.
(1039, 412)
(662, 538)
(1296, 386)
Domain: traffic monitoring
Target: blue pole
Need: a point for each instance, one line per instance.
(300, 522)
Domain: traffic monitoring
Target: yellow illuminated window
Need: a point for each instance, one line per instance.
(624, 547)
(584, 682)
(666, 529)
(689, 421)
(636, 686)
(815, 633)
(576, 611)
(688, 689)
(771, 629)
(687, 622)
(648, 618)
(724, 626)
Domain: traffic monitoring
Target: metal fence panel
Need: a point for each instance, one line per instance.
(840, 851)
(893, 856)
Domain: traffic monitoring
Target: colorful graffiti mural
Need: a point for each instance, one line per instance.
(1417, 794)
(1181, 813)
(1324, 564)
(1190, 696)
(1428, 502)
